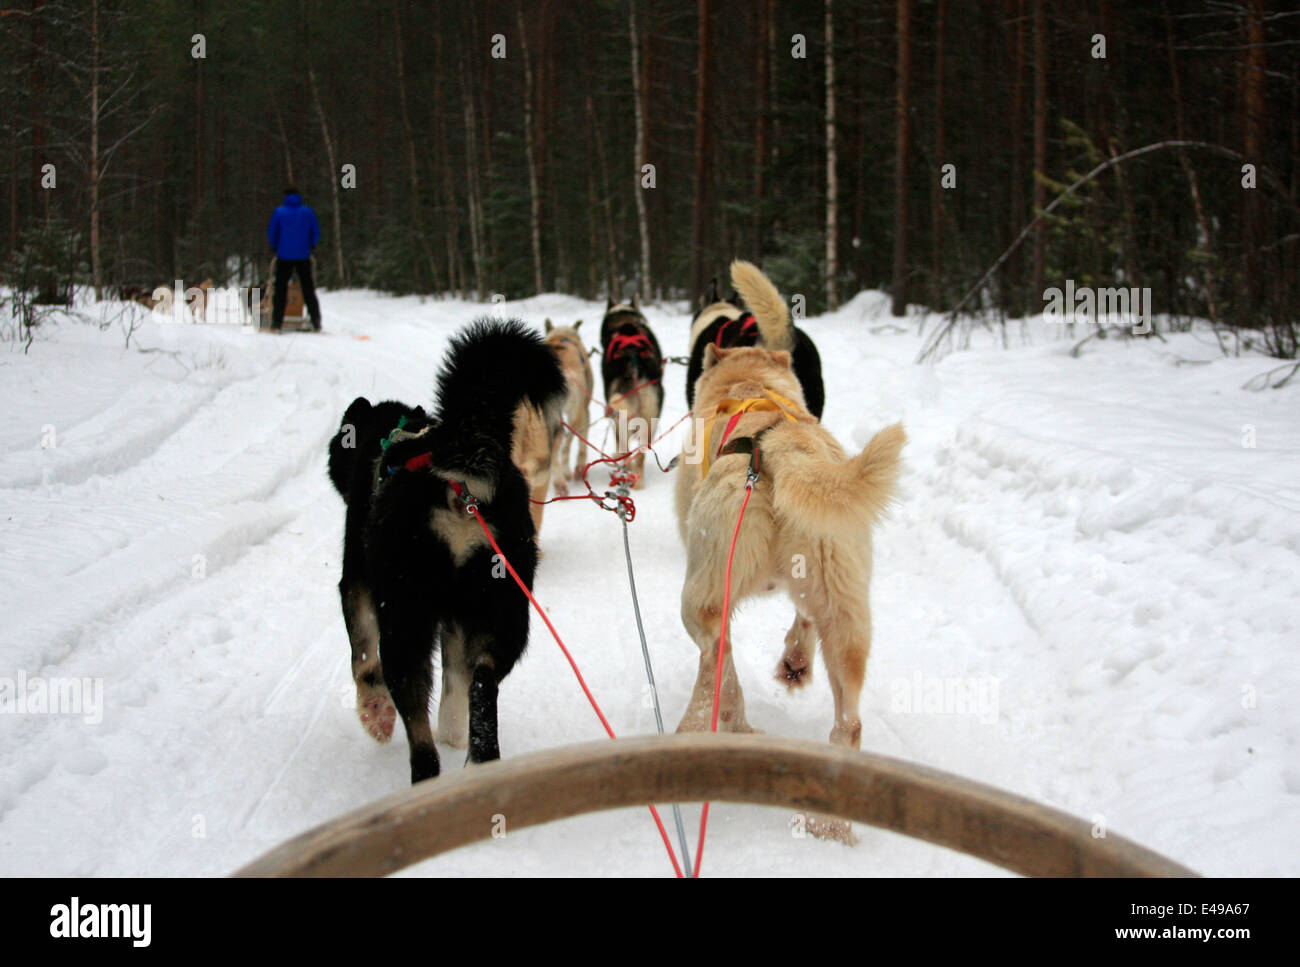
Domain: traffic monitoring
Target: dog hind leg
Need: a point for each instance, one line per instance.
(704, 624)
(560, 447)
(846, 641)
(844, 651)
(375, 705)
(406, 646)
(453, 705)
(483, 743)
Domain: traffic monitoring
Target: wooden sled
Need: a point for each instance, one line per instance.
(295, 310)
(455, 810)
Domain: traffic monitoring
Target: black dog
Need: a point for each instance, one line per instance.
(728, 323)
(417, 569)
(632, 369)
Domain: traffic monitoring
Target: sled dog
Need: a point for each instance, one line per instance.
(632, 369)
(807, 530)
(726, 323)
(418, 572)
(572, 354)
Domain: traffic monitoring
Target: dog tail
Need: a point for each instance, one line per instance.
(769, 309)
(343, 448)
(492, 367)
(499, 364)
(827, 499)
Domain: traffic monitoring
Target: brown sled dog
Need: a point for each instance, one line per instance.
(807, 529)
(572, 354)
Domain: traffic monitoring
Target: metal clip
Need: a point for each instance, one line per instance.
(464, 496)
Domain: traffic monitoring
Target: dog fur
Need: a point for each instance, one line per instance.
(576, 363)
(719, 322)
(418, 572)
(530, 450)
(623, 370)
(812, 504)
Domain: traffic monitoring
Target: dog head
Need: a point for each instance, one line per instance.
(743, 373)
(565, 341)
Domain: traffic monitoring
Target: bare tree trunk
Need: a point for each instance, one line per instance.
(200, 242)
(417, 222)
(638, 98)
(1040, 141)
(1015, 283)
(898, 305)
(333, 171)
(535, 215)
(832, 186)
(611, 249)
(472, 193)
(39, 109)
(563, 268)
(455, 268)
(764, 85)
(703, 126)
(940, 150)
(284, 142)
(1255, 69)
(96, 265)
(13, 195)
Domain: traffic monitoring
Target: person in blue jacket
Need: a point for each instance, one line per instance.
(293, 233)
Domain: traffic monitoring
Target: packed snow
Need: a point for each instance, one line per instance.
(1085, 595)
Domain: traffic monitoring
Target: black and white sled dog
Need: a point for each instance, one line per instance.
(728, 323)
(418, 571)
(632, 370)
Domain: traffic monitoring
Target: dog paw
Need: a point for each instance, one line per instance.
(377, 712)
(561, 487)
(794, 671)
(456, 738)
(836, 830)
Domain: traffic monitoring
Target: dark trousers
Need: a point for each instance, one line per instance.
(284, 269)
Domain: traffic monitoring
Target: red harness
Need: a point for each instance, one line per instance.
(747, 322)
(639, 341)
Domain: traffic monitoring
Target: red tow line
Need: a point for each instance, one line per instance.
(472, 508)
(722, 645)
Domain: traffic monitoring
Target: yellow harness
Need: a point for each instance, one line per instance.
(737, 409)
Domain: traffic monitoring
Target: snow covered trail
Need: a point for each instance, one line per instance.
(1083, 548)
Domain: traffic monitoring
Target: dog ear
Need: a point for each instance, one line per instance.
(549, 327)
(714, 355)
(711, 296)
(576, 325)
(357, 409)
(781, 357)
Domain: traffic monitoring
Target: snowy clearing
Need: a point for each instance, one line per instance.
(1089, 546)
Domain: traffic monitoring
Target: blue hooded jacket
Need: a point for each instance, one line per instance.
(293, 231)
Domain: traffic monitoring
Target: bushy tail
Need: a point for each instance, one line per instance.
(829, 498)
(769, 309)
(494, 365)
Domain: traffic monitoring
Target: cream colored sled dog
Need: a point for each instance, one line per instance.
(807, 528)
(576, 363)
